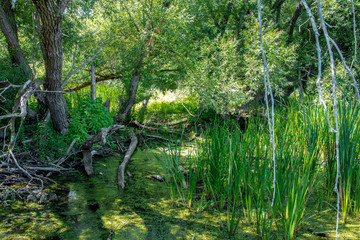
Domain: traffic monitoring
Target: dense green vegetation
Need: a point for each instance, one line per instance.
(231, 170)
(268, 118)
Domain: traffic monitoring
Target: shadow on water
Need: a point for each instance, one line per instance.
(92, 208)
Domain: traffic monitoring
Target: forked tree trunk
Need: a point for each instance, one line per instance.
(50, 13)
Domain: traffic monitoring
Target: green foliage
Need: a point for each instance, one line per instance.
(87, 117)
(233, 169)
(165, 110)
(48, 144)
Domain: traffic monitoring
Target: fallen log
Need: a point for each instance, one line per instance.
(128, 154)
(155, 129)
(90, 141)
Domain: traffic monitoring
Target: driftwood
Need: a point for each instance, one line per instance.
(155, 129)
(90, 141)
(128, 154)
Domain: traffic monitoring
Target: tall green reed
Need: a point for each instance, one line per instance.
(349, 143)
(233, 169)
(173, 165)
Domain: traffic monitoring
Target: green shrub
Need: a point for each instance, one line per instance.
(87, 117)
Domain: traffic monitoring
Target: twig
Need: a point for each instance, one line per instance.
(24, 171)
(346, 67)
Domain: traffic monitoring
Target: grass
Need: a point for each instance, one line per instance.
(233, 170)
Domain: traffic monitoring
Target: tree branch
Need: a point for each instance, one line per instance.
(128, 154)
(99, 79)
(72, 72)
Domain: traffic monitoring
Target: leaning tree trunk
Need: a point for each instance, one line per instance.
(125, 114)
(50, 13)
(9, 29)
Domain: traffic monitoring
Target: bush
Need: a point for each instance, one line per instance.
(87, 117)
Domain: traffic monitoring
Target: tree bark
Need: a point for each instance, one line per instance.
(128, 154)
(294, 18)
(90, 141)
(276, 8)
(50, 13)
(123, 116)
(99, 79)
(9, 29)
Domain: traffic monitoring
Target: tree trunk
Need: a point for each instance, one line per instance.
(128, 154)
(293, 20)
(9, 29)
(123, 116)
(51, 37)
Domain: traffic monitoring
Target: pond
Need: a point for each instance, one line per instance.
(94, 208)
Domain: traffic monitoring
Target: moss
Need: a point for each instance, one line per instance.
(92, 207)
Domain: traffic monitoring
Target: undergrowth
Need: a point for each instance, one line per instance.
(86, 117)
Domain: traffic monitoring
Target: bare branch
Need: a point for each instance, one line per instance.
(24, 171)
(72, 72)
(318, 49)
(23, 104)
(346, 67)
(128, 154)
(99, 79)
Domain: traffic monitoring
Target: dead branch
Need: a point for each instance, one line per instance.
(22, 104)
(63, 159)
(72, 72)
(46, 169)
(90, 141)
(25, 171)
(99, 79)
(128, 154)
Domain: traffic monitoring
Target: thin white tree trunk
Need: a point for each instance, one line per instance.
(318, 49)
(333, 73)
(268, 91)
